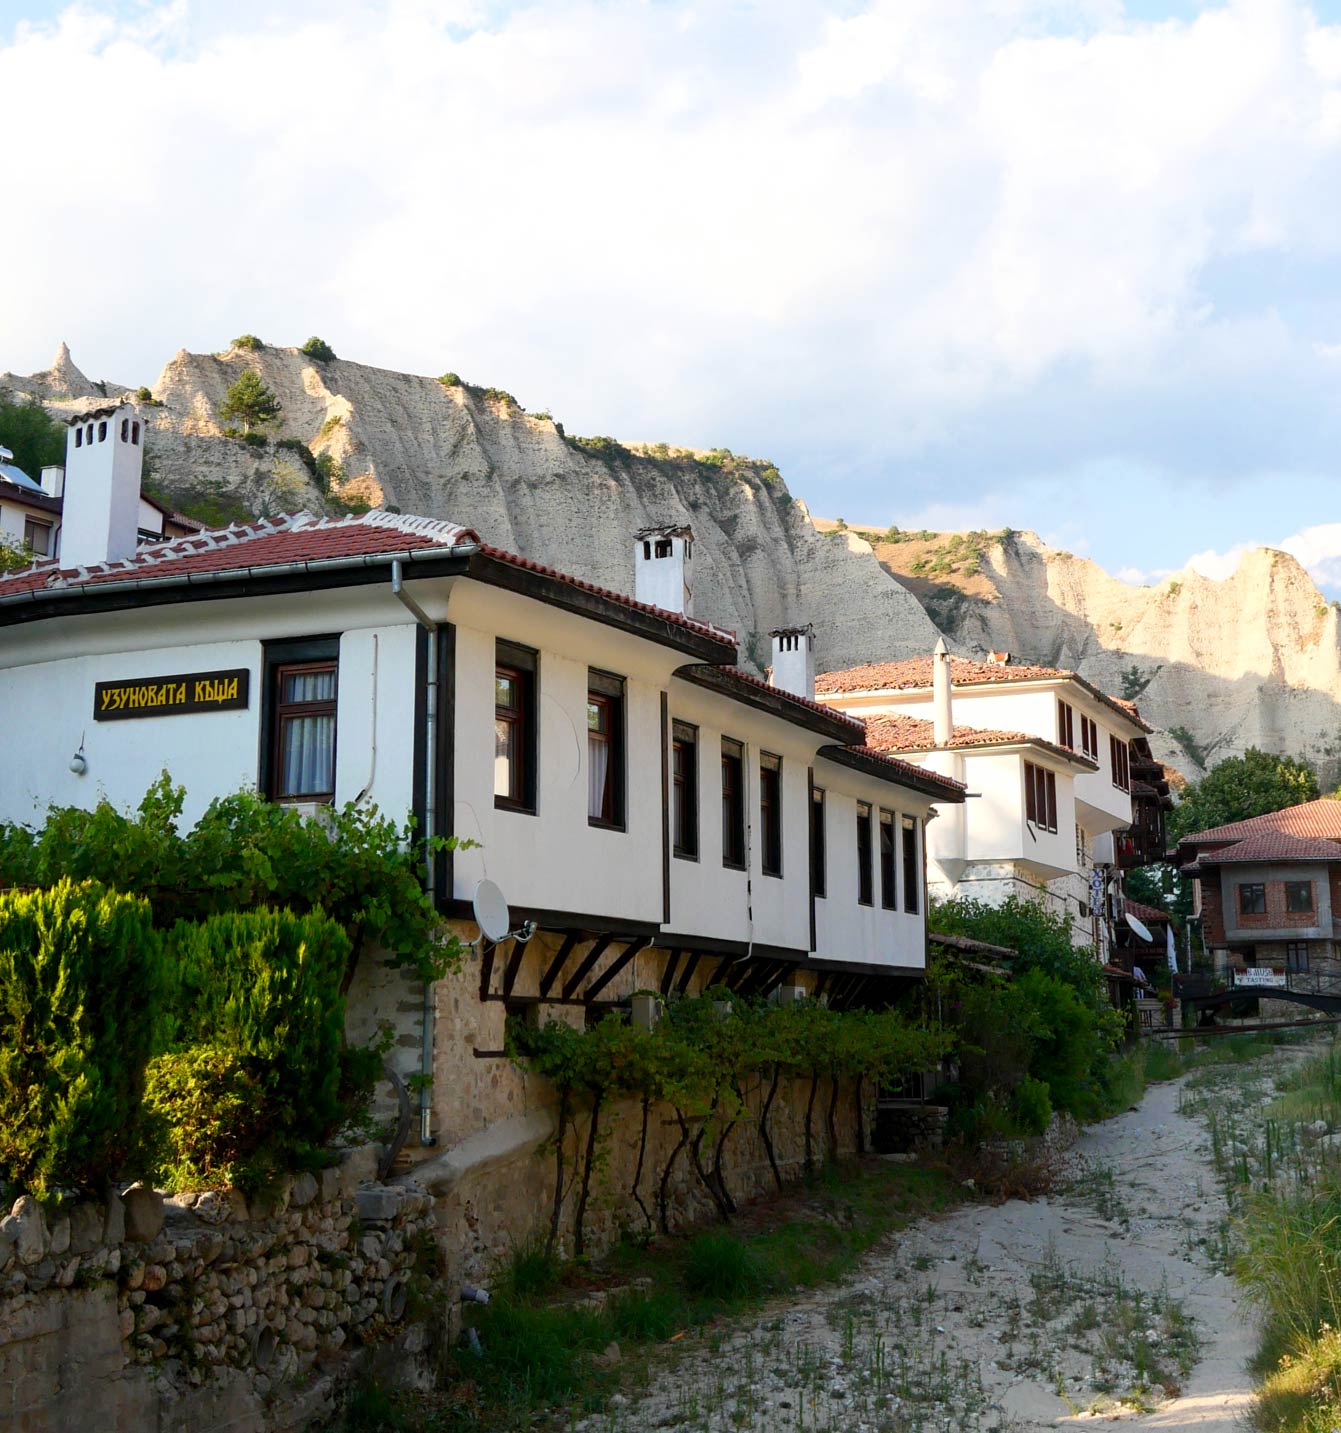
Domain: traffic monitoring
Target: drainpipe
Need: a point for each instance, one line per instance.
(942, 719)
(426, 1136)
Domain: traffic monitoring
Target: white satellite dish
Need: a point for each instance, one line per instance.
(491, 911)
(1139, 927)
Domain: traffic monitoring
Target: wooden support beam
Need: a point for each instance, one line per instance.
(598, 948)
(615, 966)
(556, 965)
(513, 966)
(757, 972)
(690, 966)
(486, 968)
(668, 975)
(773, 981)
(822, 984)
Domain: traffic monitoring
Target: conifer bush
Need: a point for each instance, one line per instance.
(257, 1075)
(82, 982)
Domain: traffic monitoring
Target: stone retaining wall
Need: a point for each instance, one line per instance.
(199, 1312)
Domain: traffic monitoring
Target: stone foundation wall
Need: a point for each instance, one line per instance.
(201, 1313)
(907, 1126)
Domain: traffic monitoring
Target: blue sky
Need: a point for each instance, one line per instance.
(1070, 265)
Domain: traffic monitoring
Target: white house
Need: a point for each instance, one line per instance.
(663, 819)
(1044, 755)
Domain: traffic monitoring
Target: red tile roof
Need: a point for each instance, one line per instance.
(915, 674)
(300, 538)
(1321, 818)
(910, 770)
(1273, 846)
(907, 733)
(1143, 913)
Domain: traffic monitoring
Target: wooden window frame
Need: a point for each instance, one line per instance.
(1297, 957)
(819, 847)
(1295, 887)
(31, 525)
(865, 856)
(606, 691)
(1089, 737)
(1040, 797)
(889, 875)
(522, 666)
(283, 659)
(733, 805)
(1244, 887)
(911, 853)
(684, 789)
(1119, 756)
(1066, 725)
(770, 814)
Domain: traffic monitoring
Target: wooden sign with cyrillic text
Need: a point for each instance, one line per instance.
(188, 693)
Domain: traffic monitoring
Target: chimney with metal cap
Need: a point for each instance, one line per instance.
(941, 700)
(663, 568)
(794, 661)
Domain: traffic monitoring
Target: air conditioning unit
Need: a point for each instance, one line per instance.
(790, 995)
(319, 811)
(645, 1011)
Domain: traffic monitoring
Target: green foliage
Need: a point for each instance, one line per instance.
(319, 349)
(82, 981)
(145, 395)
(956, 554)
(250, 402)
(1135, 681)
(207, 500)
(14, 559)
(1033, 1105)
(451, 380)
(248, 341)
(1200, 754)
(329, 471)
(1163, 886)
(300, 450)
(258, 1032)
(608, 450)
(1242, 786)
(724, 1268)
(35, 438)
(245, 852)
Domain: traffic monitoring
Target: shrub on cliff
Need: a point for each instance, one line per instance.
(257, 1075)
(248, 341)
(82, 981)
(319, 349)
(250, 402)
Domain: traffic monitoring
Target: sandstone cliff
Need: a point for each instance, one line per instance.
(475, 456)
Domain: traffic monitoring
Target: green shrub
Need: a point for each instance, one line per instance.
(81, 990)
(301, 451)
(249, 341)
(451, 380)
(328, 470)
(718, 1265)
(1032, 1105)
(249, 401)
(319, 349)
(35, 438)
(258, 1027)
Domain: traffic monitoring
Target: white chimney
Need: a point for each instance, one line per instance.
(104, 456)
(942, 715)
(794, 661)
(53, 481)
(663, 567)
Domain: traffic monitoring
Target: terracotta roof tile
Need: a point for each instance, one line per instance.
(1321, 818)
(1143, 913)
(915, 674)
(1273, 846)
(907, 733)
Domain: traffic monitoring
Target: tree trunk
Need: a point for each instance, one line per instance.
(579, 1234)
(810, 1110)
(642, 1154)
(833, 1118)
(861, 1117)
(763, 1126)
(717, 1174)
(695, 1150)
(558, 1174)
(666, 1174)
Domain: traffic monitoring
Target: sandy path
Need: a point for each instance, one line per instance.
(945, 1328)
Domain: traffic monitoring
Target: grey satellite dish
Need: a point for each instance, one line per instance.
(491, 911)
(1140, 928)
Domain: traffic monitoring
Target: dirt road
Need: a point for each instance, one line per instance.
(1105, 1305)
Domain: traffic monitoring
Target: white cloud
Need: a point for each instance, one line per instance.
(1219, 565)
(853, 239)
(1317, 550)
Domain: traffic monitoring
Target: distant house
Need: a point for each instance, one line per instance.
(1268, 893)
(33, 512)
(1048, 761)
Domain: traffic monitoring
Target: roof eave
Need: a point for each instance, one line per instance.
(835, 727)
(932, 784)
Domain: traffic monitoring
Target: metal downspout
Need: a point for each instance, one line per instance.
(426, 1136)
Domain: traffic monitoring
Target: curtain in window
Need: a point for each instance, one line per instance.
(310, 687)
(598, 774)
(309, 755)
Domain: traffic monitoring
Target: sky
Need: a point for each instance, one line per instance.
(1067, 265)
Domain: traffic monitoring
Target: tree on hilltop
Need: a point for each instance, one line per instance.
(1243, 786)
(35, 438)
(249, 402)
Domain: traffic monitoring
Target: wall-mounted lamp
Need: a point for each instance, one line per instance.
(79, 762)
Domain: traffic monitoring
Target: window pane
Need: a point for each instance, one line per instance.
(505, 691)
(309, 686)
(505, 747)
(307, 756)
(598, 717)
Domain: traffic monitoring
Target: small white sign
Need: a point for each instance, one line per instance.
(1260, 975)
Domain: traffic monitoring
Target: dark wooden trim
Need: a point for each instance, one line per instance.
(734, 949)
(556, 965)
(419, 758)
(939, 788)
(821, 985)
(772, 982)
(513, 966)
(665, 811)
(728, 683)
(486, 968)
(564, 921)
(488, 1054)
(810, 849)
(668, 974)
(690, 966)
(584, 966)
(444, 761)
(322, 647)
(613, 969)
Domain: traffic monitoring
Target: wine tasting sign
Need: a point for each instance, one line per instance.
(182, 695)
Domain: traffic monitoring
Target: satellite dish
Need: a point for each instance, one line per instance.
(1139, 927)
(491, 911)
